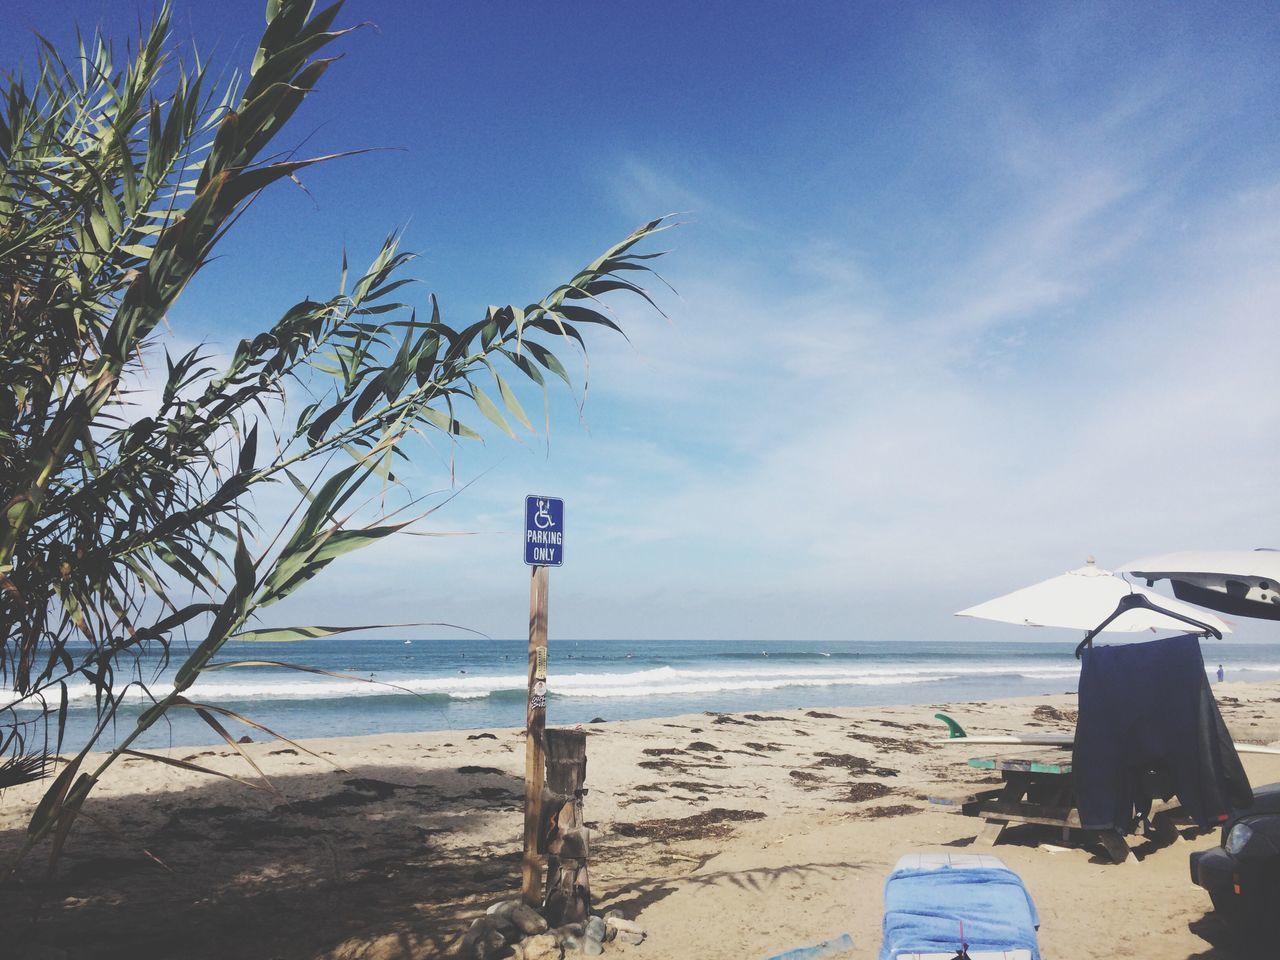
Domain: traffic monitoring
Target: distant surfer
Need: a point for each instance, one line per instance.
(1220, 673)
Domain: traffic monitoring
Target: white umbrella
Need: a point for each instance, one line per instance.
(1081, 599)
(1245, 583)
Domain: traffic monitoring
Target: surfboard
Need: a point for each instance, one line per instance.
(1052, 740)
(1029, 739)
(959, 736)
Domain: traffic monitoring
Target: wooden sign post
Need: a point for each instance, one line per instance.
(535, 725)
(543, 548)
(563, 833)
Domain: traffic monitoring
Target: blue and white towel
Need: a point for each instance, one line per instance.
(924, 910)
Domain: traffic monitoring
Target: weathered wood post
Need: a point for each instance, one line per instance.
(535, 724)
(563, 834)
(543, 548)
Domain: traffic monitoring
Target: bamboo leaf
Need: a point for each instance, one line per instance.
(225, 734)
(290, 634)
(50, 803)
(447, 423)
(246, 572)
(486, 406)
(208, 707)
(67, 814)
(510, 401)
(548, 360)
(24, 768)
(345, 541)
(191, 767)
(303, 668)
(525, 366)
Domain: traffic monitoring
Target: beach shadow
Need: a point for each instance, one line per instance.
(387, 853)
(1163, 834)
(633, 898)
(388, 860)
(1031, 835)
(1225, 944)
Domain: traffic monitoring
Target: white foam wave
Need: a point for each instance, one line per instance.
(658, 681)
(653, 682)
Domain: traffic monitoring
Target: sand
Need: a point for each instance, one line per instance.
(723, 835)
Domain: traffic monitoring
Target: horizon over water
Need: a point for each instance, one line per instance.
(468, 684)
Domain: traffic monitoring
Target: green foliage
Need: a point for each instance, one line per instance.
(122, 531)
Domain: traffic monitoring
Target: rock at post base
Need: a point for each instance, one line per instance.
(625, 930)
(542, 947)
(485, 940)
(529, 921)
(624, 926)
(596, 929)
(503, 908)
(574, 930)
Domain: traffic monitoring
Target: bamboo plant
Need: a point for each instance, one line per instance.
(120, 532)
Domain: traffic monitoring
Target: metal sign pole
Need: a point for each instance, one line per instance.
(535, 725)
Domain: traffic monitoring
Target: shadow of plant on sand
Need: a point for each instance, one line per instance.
(633, 898)
(371, 861)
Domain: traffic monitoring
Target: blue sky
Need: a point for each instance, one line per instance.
(967, 293)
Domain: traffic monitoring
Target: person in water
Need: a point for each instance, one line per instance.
(1220, 673)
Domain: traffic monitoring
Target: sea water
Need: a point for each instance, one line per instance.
(389, 685)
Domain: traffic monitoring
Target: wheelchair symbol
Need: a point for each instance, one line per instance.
(542, 519)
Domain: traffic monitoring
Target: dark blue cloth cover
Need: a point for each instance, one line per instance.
(923, 911)
(1149, 726)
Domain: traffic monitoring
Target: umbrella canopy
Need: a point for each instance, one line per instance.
(1241, 582)
(1081, 599)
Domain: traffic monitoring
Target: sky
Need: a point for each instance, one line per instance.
(965, 294)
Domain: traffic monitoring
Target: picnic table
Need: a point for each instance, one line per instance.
(1037, 787)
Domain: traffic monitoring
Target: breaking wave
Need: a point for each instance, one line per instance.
(659, 681)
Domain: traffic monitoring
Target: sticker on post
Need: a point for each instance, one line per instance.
(538, 698)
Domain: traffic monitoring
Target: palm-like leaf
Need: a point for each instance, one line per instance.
(22, 768)
(128, 530)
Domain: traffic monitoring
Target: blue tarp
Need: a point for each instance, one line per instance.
(923, 911)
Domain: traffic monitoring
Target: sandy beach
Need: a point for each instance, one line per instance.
(723, 835)
(744, 387)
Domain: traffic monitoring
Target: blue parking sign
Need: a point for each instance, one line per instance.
(543, 531)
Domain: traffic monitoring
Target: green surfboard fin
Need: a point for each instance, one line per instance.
(957, 731)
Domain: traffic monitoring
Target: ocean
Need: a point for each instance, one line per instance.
(467, 684)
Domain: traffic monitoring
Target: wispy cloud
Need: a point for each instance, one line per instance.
(1035, 329)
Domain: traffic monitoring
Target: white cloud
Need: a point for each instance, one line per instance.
(1072, 357)
(819, 462)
